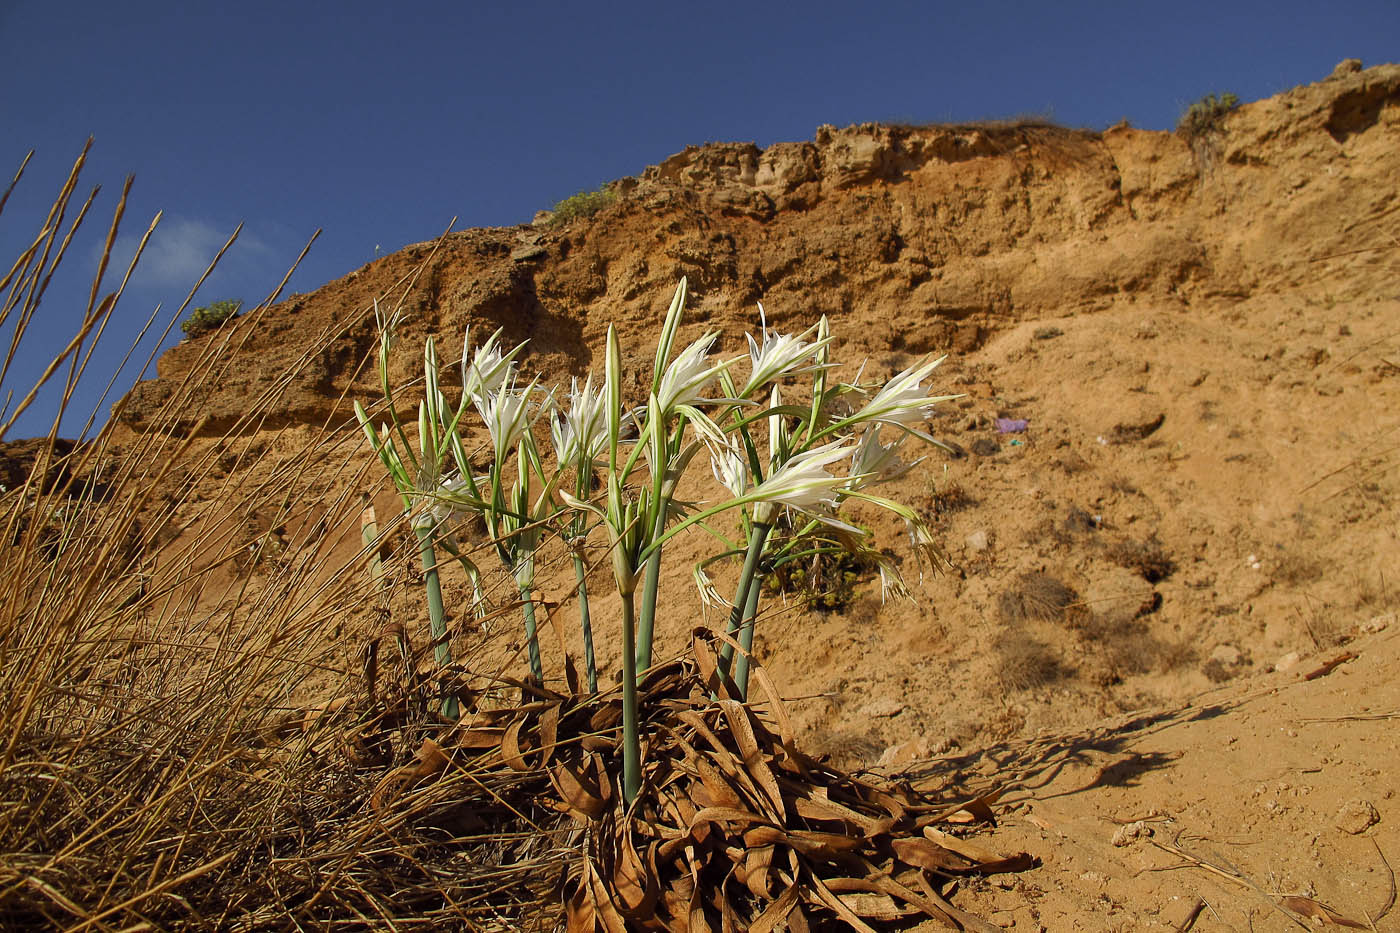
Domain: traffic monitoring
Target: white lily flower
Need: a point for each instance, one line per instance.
(432, 499)
(777, 437)
(488, 370)
(803, 482)
(507, 417)
(710, 597)
(779, 355)
(903, 401)
(891, 581)
(730, 469)
(921, 539)
(582, 429)
(688, 375)
(876, 463)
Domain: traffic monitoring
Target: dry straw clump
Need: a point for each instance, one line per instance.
(184, 744)
(157, 766)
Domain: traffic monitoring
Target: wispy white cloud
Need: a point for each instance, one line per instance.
(181, 249)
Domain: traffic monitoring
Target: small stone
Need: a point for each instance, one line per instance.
(977, 541)
(974, 421)
(905, 753)
(1131, 833)
(528, 252)
(1347, 66)
(1227, 655)
(883, 708)
(1356, 816)
(1377, 623)
(1287, 662)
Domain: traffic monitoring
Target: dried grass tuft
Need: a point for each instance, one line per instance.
(1147, 558)
(1025, 663)
(1038, 596)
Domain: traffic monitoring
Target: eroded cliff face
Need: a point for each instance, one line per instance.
(1201, 337)
(910, 238)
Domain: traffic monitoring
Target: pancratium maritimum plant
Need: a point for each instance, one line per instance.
(784, 438)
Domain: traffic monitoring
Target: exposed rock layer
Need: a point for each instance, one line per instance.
(912, 238)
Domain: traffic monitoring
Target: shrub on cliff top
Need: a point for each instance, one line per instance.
(1206, 115)
(583, 204)
(210, 317)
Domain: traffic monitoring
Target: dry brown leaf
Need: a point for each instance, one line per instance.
(480, 739)
(579, 916)
(964, 847)
(702, 649)
(873, 906)
(757, 861)
(826, 845)
(721, 756)
(921, 853)
(718, 791)
(428, 761)
(976, 810)
(511, 752)
(816, 808)
(636, 883)
(1314, 910)
(931, 904)
(583, 798)
(725, 815)
(598, 743)
(777, 912)
(604, 910)
(741, 727)
(827, 897)
(549, 732)
(571, 676)
(988, 862)
(729, 917)
(775, 705)
(608, 716)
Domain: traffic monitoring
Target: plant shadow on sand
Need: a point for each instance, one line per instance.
(1018, 768)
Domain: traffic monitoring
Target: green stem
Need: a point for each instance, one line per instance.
(741, 665)
(631, 741)
(527, 601)
(646, 624)
(369, 535)
(437, 621)
(758, 536)
(590, 664)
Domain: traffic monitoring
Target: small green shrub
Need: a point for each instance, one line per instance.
(1206, 115)
(824, 578)
(210, 317)
(583, 204)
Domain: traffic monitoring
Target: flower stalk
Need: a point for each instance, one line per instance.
(437, 621)
(745, 596)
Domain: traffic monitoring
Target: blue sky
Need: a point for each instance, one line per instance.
(380, 122)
